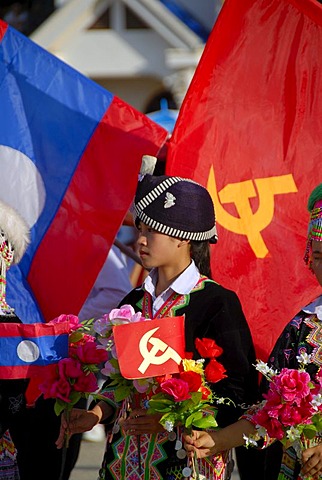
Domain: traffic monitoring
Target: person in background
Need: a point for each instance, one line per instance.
(176, 224)
(111, 285)
(301, 335)
(27, 435)
(14, 239)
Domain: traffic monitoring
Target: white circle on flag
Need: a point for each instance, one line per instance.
(28, 351)
(21, 185)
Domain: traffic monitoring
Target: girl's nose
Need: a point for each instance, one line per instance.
(142, 239)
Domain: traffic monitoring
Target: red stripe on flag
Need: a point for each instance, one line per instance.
(10, 373)
(3, 29)
(35, 372)
(75, 247)
(33, 330)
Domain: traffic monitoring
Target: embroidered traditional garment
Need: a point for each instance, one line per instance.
(210, 311)
(302, 335)
(8, 465)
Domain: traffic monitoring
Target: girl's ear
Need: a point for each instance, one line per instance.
(183, 243)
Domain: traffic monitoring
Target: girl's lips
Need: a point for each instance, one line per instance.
(142, 254)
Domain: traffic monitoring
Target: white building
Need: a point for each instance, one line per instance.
(140, 50)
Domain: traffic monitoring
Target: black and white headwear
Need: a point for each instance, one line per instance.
(178, 207)
(14, 239)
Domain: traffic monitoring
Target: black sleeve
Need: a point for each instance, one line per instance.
(226, 324)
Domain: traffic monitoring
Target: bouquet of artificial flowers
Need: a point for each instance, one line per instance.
(291, 411)
(74, 377)
(184, 398)
(123, 388)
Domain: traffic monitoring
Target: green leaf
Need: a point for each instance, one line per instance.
(196, 397)
(75, 397)
(310, 431)
(122, 392)
(75, 336)
(114, 363)
(205, 422)
(59, 406)
(317, 421)
(191, 419)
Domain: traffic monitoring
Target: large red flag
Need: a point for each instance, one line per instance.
(250, 130)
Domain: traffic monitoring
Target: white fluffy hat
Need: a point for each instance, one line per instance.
(15, 230)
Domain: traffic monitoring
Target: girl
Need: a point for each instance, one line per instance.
(176, 222)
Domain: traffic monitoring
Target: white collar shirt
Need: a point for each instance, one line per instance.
(181, 285)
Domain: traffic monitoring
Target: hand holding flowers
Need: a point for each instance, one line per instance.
(291, 411)
(74, 377)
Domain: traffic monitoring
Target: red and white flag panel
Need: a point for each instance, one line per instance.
(150, 349)
(250, 130)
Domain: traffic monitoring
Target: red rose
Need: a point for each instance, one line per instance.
(86, 383)
(208, 348)
(69, 368)
(90, 354)
(162, 378)
(193, 379)
(214, 371)
(205, 392)
(177, 388)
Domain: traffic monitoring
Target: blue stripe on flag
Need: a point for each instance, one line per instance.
(22, 351)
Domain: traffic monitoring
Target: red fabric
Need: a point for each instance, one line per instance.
(75, 247)
(139, 342)
(3, 28)
(250, 130)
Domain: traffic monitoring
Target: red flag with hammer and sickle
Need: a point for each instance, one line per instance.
(150, 349)
(250, 130)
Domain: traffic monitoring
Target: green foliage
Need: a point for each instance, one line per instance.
(193, 412)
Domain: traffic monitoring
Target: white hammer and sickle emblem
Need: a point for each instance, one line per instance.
(158, 345)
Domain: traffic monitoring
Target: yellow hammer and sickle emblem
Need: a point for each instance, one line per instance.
(249, 223)
(150, 357)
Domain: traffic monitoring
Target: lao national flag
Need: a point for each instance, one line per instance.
(150, 349)
(70, 153)
(250, 130)
(27, 349)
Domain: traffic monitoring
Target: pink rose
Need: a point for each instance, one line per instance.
(90, 354)
(125, 314)
(318, 377)
(86, 383)
(292, 385)
(289, 415)
(177, 388)
(73, 320)
(60, 388)
(273, 426)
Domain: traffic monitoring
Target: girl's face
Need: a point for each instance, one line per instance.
(317, 260)
(157, 249)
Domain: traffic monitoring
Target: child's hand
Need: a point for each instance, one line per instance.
(79, 421)
(140, 422)
(201, 442)
(312, 462)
